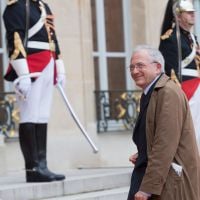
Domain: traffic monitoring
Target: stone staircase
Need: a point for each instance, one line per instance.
(111, 194)
(80, 184)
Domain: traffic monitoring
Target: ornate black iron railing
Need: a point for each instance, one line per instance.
(116, 110)
(9, 114)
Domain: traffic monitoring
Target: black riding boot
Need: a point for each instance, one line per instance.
(28, 144)
(41, 135)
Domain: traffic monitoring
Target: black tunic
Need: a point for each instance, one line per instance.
(169, 49)
(15, 22)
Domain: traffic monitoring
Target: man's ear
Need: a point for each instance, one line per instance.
(158, 65)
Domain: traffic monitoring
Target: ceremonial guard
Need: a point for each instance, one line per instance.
(181, 51)
(33, 49)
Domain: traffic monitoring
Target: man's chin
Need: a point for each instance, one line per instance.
(139, 84)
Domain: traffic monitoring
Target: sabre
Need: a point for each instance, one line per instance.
(60, 88)
(174, 9)
(37, 74)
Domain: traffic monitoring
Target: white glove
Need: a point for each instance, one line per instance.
(24, 86)
(61, 79)
(21, 68)
(60, 72)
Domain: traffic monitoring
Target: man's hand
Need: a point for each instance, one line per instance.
(133, 158)
(141, 196)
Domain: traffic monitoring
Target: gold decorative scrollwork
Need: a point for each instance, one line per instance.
(9, 117)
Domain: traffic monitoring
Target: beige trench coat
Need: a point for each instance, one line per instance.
(170, 138)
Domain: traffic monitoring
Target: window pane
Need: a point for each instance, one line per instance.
(114, 25)
(94, 25)
(1, 73)
(0, 36)
(0, 30)
(116, 74)
(96, 71)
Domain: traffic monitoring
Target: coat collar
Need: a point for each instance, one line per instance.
(162, 81)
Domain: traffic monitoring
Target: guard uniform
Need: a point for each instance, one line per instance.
(190, 66)
(33, 47)
(169, 49)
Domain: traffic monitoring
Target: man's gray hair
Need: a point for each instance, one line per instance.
(154, 53)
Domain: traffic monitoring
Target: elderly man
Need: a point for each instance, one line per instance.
(190, 54)
(167, 165)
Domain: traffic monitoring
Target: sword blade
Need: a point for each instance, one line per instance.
(60, 88)
(178, 38)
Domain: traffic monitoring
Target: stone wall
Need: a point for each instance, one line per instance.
(147, 16)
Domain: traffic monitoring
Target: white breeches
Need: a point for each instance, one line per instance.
(36, 107)
(195, 110)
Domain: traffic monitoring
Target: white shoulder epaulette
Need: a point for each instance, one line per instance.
(10, 2)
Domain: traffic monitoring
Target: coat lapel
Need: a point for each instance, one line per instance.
(159, 83)
(142, 111)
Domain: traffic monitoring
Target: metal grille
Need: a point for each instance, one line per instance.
(9, 114)
(116, 110)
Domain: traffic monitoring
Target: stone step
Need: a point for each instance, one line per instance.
(77, 182)
(112, 194)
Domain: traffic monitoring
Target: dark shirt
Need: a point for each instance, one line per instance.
(139, 134)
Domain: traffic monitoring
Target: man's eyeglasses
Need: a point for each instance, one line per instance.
(139, 66)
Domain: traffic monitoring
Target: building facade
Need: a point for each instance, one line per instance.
(96, 39)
